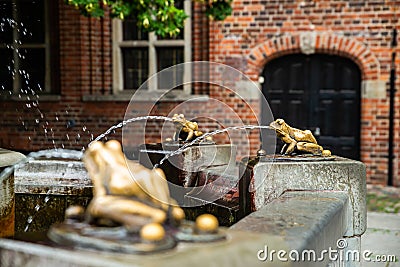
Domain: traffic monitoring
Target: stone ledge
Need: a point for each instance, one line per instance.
(54, 177)
(146, 96)
(272, 179)
(305, 220)
(278, 226)
(9, 158)
(23, 98)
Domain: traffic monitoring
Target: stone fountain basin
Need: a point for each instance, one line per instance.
(299, 205)
(45, 188)
(276, 226)
(53, 185)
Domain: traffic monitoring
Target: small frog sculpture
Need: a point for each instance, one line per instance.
(297, 140)
(185, 130)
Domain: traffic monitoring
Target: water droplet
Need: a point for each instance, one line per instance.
(37, 121)
(46, 199)
(37, 207)
(30, 219)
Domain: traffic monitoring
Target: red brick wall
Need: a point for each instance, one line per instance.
(257, 32)
(85, 68)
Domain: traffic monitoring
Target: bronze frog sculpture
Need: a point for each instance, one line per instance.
(297, 140)
(131, 210)
(125, 192)
(185, 130)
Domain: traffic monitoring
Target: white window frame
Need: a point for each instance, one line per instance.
(152, 43)
(46, 45)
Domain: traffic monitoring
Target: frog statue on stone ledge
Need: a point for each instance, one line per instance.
(131, 210)
(297, 140)
(185, 127)
(125, 192)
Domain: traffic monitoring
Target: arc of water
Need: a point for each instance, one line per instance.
(200, 138)
(123, 123)
(72, 154)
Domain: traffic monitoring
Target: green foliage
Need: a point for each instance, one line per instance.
(159, 16)
(219, 9)
(383, 203)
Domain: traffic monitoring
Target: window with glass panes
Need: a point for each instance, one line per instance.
(138, 54)
(26, 34)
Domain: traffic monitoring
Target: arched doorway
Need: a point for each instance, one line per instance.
(318, 92)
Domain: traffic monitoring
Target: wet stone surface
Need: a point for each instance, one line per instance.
(7, 198)
(37, 212)
(45, 188)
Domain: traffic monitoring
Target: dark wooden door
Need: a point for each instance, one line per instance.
(317, 92)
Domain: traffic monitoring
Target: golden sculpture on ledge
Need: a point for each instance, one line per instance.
(296, 140)
(185, 130)
(125, 192)
(131, 210)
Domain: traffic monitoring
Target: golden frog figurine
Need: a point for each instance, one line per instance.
(125, 192)
(184, 127)
(297, 140)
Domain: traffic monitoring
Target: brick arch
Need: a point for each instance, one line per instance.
(324, 43)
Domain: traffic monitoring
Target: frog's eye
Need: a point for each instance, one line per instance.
(280, 121)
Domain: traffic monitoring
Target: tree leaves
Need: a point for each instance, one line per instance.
(159, 16)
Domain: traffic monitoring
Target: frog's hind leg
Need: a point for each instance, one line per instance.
(309, 148)
(189, 136)
(291, 148)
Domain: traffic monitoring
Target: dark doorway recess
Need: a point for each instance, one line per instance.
(318, 92)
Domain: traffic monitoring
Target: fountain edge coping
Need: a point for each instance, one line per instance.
(9, 158)
(341, 174)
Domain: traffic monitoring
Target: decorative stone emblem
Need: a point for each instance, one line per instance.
(307, 42)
